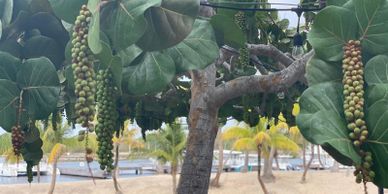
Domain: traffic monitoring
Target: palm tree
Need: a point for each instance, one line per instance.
(260, 139)
(56, 152)
(170, 143)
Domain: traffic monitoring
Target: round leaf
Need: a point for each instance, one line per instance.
(227, 31)
(319, 71)
(39, 80)
(67, 10)
(149, 73)
(333, 27)
(321, 120)
(8, 104)
(372, 20)
(124, 22)
(376, 70)
(94, 27)
(42, 46)
(198, 50)
(168, 24)
(8, 66)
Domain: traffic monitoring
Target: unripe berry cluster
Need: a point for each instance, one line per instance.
(353, 81)
(107, 117)
(82, 65)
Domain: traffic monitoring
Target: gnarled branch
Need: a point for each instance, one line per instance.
(271, 83)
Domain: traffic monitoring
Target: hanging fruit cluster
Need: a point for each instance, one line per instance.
(82, 65)
(107, 117)
(17, 139)
(353, 81)
(241, 21)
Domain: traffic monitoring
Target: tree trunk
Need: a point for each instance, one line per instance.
(216, 181)
(173, 174)
(38, 172)
(53, 177)
(115, 173)
(304, 154)
(277, 160)
(268, 175)
(319, 158)
(246, 162)
(308, 165)
(259, 170)
(196, 168)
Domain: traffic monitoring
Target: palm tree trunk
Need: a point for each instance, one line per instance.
(53, 177)
(319, 157)
(259, 170)
(308, 165)
(304, 154)
(115, 172)
(246, 162)
(216, 181)
(268, 175)
(173, 174)
(276, 160)
(38, 172)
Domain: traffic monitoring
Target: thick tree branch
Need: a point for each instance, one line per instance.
(270, 51)
(271, 83)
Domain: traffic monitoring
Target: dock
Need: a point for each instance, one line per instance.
(84, 173)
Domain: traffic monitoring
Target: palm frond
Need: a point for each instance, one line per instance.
(245, 144)
(282, 142)
(56, 152)
(262, 137)
(237, 132)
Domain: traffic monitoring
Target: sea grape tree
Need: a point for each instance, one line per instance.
(344, 108)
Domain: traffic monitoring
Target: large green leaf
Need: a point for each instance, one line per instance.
(149, 73)
(8, 103)
(227, 31)
(198, 50)
(377, 115)
(376, 70)
(124, 22)
(318, 71)
(6, 9)
(42, 46)
(321, 120)
(336, 2)
(332, 28)
(8, 66)
(94, 27)
(168, 24)
(372, 20)
(129, 54)
(67, 10)
(39, 81)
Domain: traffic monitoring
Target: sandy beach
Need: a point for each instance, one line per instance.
(318, 182)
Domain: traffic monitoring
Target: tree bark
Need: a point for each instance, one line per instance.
(268, 175)
(246, 162)
(174, 169)
(206, 99)
(216, 181)
(203, 129)
(277, 160)
(259, 170)
(319, 157)
(53, 177)
(115, 173)
(308, 165)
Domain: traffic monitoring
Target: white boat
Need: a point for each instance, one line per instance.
(14, 170)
